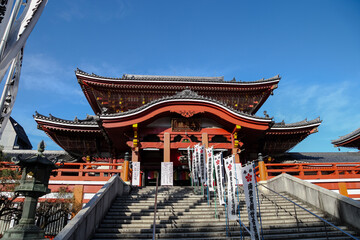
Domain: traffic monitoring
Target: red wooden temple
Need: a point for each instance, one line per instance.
(157, 117)
(350, 140)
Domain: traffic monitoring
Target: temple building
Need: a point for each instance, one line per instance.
(157, 117)
(351, 140)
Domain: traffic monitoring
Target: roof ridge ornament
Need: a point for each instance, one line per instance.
(187, 93)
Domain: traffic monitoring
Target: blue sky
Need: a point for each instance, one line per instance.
(313, 45)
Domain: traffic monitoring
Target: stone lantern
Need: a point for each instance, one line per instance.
(34, 182)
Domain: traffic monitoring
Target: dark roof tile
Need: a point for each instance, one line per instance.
(320, 157)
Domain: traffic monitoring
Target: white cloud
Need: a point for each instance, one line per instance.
(335, 102)
(94, 11)
(44, 74)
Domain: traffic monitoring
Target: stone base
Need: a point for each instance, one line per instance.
(24, 231)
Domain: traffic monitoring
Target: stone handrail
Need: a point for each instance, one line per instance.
(84, 224)
(342, 208)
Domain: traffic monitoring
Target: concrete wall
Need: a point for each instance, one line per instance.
(83, 225)
(343, 208)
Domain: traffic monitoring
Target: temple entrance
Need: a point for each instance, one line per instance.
(181, 172)
(151, 167)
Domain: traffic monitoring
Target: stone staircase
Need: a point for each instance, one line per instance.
(181, 214)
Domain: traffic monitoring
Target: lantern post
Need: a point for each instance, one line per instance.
(36, 171)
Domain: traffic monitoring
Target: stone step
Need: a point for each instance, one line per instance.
(283, 229)
(203, 206)
(181, 214)
(208, 225)
(176, 220)
(198, 210)
(172, 215)
(197, 201)
(204, 233)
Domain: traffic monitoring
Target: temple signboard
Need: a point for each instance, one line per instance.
(167, 174)
(136, 174)
(185, 124)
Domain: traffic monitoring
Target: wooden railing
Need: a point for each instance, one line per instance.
(313, 170)
(87, 171)
(79, 171)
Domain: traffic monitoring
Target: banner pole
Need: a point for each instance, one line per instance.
(190, 169)
(226, 215)
(257, 193)
(208, 197)
(216, 216)
(238, 198)
(215, 184)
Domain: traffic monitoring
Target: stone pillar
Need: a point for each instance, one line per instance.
(166, 147)
(28, 214)
(26, 229)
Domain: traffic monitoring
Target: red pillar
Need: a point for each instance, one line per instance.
(166, 147)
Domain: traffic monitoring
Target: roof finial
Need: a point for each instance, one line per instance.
(41, 148)
(266, 115)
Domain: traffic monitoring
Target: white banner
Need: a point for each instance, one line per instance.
(210, 168)
(167, 174)
(231, 187)
(219, 177)
(202, 164)
(239, 180)
(135, 174)
(189, 158)
(250, 199)
(197, 172)
(194, 170)
(198, 161)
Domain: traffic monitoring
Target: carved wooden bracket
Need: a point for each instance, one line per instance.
(187, 113)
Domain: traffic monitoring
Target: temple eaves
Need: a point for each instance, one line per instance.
(304, 123)
(186, 95)
(343, 140)
(160, 78)
(89, 121)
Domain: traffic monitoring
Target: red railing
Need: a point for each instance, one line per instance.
(87, 171)
(314, 170)
(326, 175)
(79, 171)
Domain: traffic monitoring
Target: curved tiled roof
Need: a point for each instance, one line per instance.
(186, 94)
(176, 78)
(89, 121)
(304, 123)
(346, 137)
(320, 157)
(172, 78)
